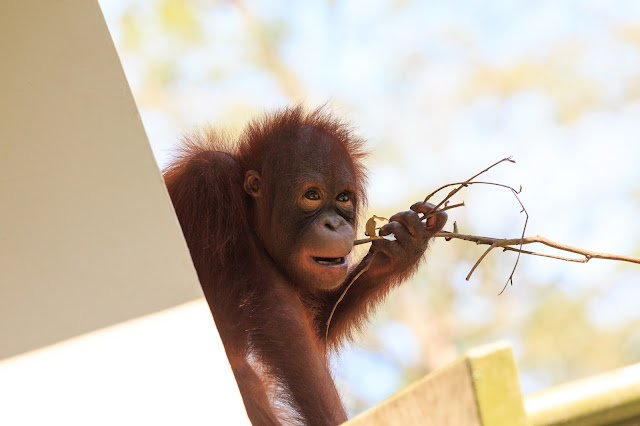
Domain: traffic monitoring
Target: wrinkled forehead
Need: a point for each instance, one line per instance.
(311, 154)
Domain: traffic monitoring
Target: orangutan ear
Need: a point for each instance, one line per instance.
(253, 183)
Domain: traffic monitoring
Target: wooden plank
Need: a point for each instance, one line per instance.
(480, 388)
(497, 387)
(605, 399)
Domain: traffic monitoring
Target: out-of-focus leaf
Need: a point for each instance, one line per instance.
(370, 227)
(180, 18)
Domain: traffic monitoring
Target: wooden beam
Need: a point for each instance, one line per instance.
(605, 399)
(480, 388)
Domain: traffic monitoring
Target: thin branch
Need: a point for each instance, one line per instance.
(505, 244)
(552, 256)
(491, 247)
(364, 241)
(427, 216)
(462, 185)
(465, 183)
(444, 209)
(362, 271)
(469, 182)
(515, 194)
(524, 228)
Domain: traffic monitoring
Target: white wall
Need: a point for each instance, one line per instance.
(88, 236)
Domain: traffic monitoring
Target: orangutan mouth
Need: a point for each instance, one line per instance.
(329, 261)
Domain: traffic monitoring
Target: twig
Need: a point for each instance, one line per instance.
(365, 240)
(506, 243)
(524, 228)
(491, 247)
(469, 182)
(462, 185)
(444, 209)
(465, 183)
(362, 271)
(451, 193)
(552, 256)
(427, 216)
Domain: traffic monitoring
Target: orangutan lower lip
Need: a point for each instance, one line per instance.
(329, 261)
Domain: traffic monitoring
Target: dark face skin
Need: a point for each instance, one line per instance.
(306, 215)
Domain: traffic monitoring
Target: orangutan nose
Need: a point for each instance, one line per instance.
(334, 222)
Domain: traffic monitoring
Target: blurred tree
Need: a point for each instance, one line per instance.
(441, 91)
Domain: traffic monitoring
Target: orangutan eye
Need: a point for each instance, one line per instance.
(312, 194)
(343, 197)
